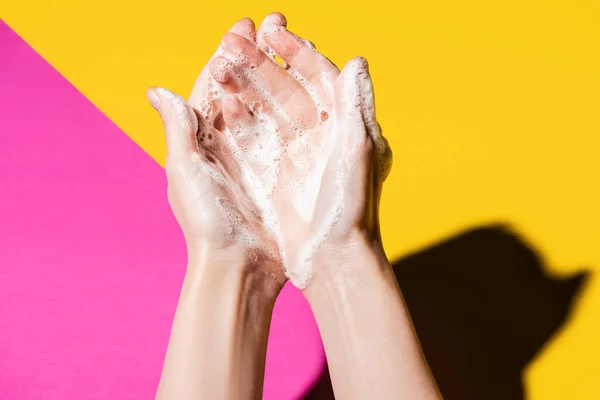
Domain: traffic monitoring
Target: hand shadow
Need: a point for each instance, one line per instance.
(483, 307)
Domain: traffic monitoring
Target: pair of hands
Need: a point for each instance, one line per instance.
(275, 172)
(275, 166)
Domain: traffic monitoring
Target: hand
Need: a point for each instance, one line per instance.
(284, 165)
(207, 186)
(310, 145)
(346, 215)
(234, 272)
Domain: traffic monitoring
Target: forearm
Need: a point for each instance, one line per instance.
(371, 347)
(218, 341)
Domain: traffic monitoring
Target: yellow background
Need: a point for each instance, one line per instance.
(491, 109)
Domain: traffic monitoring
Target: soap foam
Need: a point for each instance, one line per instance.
(262, 156)
(367, 102)
(181, 107)
(358, 98)
(236, 226)
(259, 149)
(268, 29)
(254, 183)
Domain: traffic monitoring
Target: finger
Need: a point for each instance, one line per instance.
(349, 126)
(237, 115)
(232, 81)
(240, 122)
(277, 19)
(201, 91)
(269, 81)
(245, 27)
(302, 57)
(222, 70)
(261, 147)
(351, 163)
(345, 178)
(179, 121)
(367, 105)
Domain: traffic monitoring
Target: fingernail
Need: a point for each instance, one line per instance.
(153, 98)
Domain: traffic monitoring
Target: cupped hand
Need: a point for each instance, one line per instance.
(219, 218)
(307, 134)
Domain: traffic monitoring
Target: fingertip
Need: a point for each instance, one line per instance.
(362, 62)
(153, 98)
(284, 44)
(245, 27)
(240, 49)
(354, 73)
(357, 65)
(221, 69)
(269, 29)
(172, 98)
(177, 107)
(180, 123)
(275, 18)
(229, 41)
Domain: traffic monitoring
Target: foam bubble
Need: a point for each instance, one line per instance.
(296, 168)
(358, 98)
(308, 87)
(269, 29)
(181, 106)
(217, 176)
(367, 101)
(255, 187)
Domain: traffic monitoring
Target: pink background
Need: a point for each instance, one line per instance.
(91, 258)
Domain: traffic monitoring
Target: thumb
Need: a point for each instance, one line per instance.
(180, 121)
(359, 98)
(348, 124)
(382, 148)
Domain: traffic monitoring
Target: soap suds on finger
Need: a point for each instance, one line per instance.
(282, 164)
(181, 107)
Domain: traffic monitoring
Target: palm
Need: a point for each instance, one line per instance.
(278, 125)
(208, 194)
(279, 120)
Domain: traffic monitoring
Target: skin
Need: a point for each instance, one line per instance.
(230, 286)
(232, 282)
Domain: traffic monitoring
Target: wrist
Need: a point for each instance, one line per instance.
(220, 330)
(362, 316)
(231, 272)
(342, 268)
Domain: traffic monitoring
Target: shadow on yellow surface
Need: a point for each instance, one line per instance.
(483, 307)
